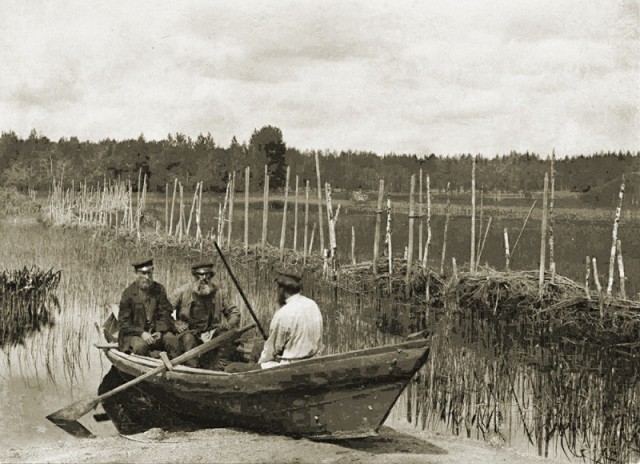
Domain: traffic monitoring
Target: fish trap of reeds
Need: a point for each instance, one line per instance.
(27, 300)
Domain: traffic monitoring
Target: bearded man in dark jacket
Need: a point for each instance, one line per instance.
(144, 321)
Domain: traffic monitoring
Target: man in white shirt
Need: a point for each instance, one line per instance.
(295, 332)
(296, 328)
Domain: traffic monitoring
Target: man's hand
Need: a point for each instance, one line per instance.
(148, 338)
(208, 335)
(181, 326)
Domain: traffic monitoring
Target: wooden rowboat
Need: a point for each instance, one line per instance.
(337, 396)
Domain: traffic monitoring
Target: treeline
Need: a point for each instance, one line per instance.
(32, 162)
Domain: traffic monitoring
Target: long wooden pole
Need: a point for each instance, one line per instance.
(232, 196)
(173, 202)
(306, 245)
(376, 235)
(425, 257)
(412, 187)
(623, 292)
(446, 227)
(265, 207)
(295, 218)
(420, 218)
(552, 262)
(247, 173)
(614, 238)
(283, 229)
(473, 216)
(320, 226)
(543, 236)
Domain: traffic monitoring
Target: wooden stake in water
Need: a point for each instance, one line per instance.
(473, 216)
(232, 195)
(412, 187)
(247, 173)
(614, 236)
(376, 235)
(623, 292)
(265, 207)
(306, 245)
(388, 237)
(507, 256)
(283, 229)
(543, 238)
(552, 262)
(446, 227)
(319, 203)
(420, 218)
(173, 201)
(166, 208)
(353, 245)
(480, 227)
(295, 218)
(425, 257)
(587, 274)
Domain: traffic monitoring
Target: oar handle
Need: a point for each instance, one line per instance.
(193, 353)
(244, 298)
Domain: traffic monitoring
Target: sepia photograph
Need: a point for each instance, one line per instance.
(320, 232)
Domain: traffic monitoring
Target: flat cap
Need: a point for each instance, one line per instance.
(143, 264)
(288, 275)
(202, 268)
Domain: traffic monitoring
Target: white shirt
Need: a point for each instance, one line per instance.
(295, 332)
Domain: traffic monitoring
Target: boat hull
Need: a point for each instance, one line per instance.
(330, 397)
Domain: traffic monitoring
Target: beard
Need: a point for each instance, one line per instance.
(144, 283)
(203, 288)
(282, 298)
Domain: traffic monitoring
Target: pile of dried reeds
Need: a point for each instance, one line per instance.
(26, 301)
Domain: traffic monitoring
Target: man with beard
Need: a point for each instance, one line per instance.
(295, 332)
(144, 319)
(203, 313)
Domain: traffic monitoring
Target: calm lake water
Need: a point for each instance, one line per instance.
(59, 365)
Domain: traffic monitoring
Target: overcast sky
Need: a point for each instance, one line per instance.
(387, 76)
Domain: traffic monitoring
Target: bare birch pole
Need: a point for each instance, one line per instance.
(199, 216)
(332, 226)
(552, 262)
(313, 231)
(425, 257)
(247, 173)
(412, 187)
(166, 208)
(193, 206)
(484, 240)
(306, 245)
(180, 225)
(420, 219)
(388, 237)
(623, 292)
(222, 214)
(446, 227)
(320, 225)
(173, 202)
(587, 275)
(473, 216)
(614, 238)
(480, 227)
(283, 229)
(353, 245)
(543, 237)
(376, 235)
(265, 207)
(232, 196)
(596, 278)
(507, 256)
(295, 218)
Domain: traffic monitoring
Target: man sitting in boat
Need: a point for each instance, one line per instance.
(295, 332)
(144, 321)
(202, 313)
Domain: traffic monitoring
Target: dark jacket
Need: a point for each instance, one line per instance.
(203, 313)
(143, 311)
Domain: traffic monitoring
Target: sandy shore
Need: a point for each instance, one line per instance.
(402, 445)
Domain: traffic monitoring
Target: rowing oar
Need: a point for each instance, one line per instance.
(67, 418)
(244, 298)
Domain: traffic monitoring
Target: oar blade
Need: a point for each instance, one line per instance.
(74, 411)
(73, 427)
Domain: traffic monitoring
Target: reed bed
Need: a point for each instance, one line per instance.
(27, 302)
